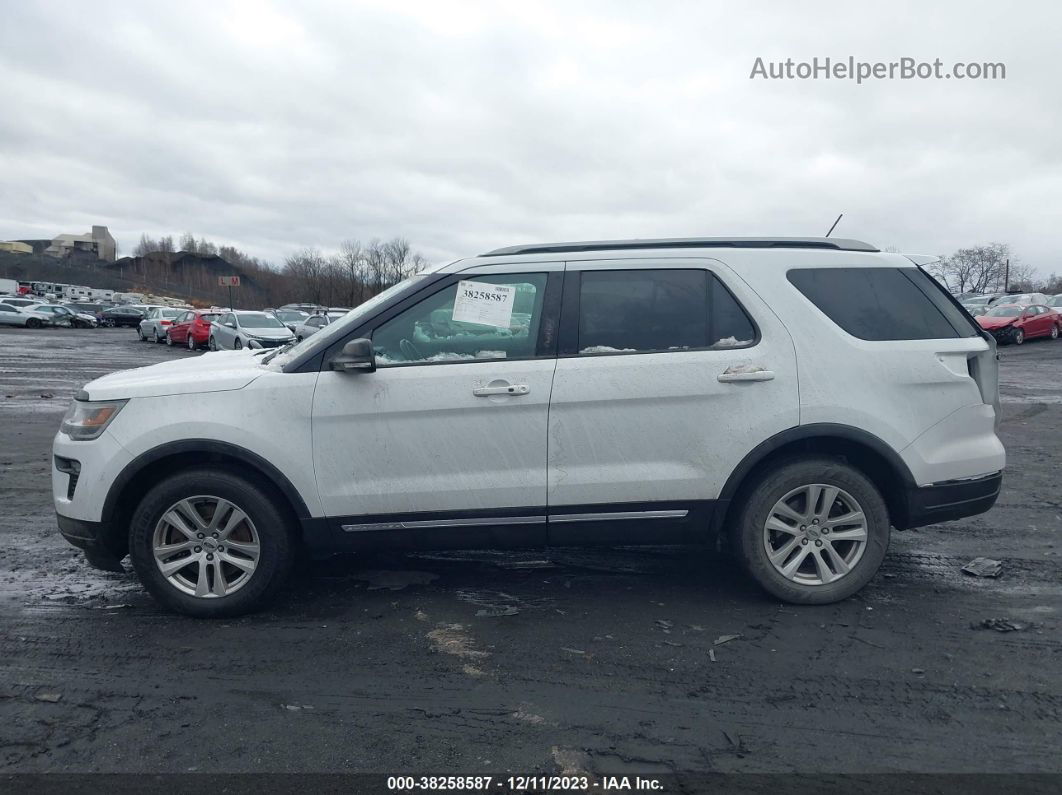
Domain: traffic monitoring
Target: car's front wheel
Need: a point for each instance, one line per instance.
(237, 345)
(1017, 336)
(812, 531)
(210, 544)
(1054, 332)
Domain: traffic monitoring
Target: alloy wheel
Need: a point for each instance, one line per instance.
(191, 342)
(815, 534)
(206, 547)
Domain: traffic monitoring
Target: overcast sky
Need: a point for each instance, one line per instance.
(462, 127)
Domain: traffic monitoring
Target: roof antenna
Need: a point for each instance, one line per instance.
(839, 217)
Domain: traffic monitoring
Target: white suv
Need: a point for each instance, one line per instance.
(800, 395)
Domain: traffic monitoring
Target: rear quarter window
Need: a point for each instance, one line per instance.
(880, 304)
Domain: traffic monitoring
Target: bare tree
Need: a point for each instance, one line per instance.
(976, 269)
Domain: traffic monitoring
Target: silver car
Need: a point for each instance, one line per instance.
(315, 323)
(155, 323)
(237, 330)
(289, 317)
(20, 316)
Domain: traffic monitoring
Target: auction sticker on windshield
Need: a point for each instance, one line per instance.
(484, 304)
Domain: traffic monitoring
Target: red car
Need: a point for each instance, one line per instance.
(191, 329)
(1014, 323)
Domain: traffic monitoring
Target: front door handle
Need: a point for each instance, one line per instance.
(509, 389)
(728, 377)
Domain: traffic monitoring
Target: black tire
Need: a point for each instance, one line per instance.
(237, 345)
(140, 334)
(1054, 332)
(272, 522)
(33, 322)
(298, 339)
(212, 343)
(169, 339)
(759, 500)
(158, 339)
(190, 342)
(1017, 336)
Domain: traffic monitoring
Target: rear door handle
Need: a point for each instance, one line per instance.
(728, 377)
(509, 389)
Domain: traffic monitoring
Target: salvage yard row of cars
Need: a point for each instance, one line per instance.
(215, 328)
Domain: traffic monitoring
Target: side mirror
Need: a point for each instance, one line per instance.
(230, 325)
(356, 356)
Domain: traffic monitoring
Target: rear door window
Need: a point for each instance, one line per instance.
(653, 310)
(879, 304)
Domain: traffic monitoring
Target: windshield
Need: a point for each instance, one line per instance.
(1005, 311)
(978, 299)
(290, 315)
(1056, 301)
(323, 338)
(259, 320)
(209, 317)
(170, 312)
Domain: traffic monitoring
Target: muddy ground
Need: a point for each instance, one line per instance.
(532, 662)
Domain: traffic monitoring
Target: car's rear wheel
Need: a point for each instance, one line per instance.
(169, 339)
(191, 342)
(1017, 336)
(212, 343)
(812, 531)
(158, 339)
(140, 334)
(33, 322)
(210, 544)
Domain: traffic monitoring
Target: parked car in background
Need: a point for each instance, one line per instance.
(191, 329)
(289, 317)
(21, 302)
(122, 316)
(1055, 302)
(66, 316)
(88, 308)
(23, 316)
(1015, 323)
(155, 323)
(1023, 299)
(236, 330)
(315, 323)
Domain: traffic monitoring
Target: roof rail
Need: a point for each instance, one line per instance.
(835, 243)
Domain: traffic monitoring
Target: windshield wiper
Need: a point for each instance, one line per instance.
(276, 352)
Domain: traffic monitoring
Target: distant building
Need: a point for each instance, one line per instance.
(16, 247)
(98, 242)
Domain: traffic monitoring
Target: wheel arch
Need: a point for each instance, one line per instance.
(863, 450)
(147, 469)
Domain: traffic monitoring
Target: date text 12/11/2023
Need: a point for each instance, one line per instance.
(576, 783)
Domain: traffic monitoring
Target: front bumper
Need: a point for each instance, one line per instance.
(92, 537)
(954, 499)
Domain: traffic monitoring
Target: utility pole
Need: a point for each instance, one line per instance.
(1006, 276)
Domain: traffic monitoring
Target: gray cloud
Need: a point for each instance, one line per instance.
(468, 126)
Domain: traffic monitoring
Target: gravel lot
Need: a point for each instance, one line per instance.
(486, 663)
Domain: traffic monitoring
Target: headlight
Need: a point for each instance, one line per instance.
(87, 420)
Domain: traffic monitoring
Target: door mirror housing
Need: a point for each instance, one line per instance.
(356, 356)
